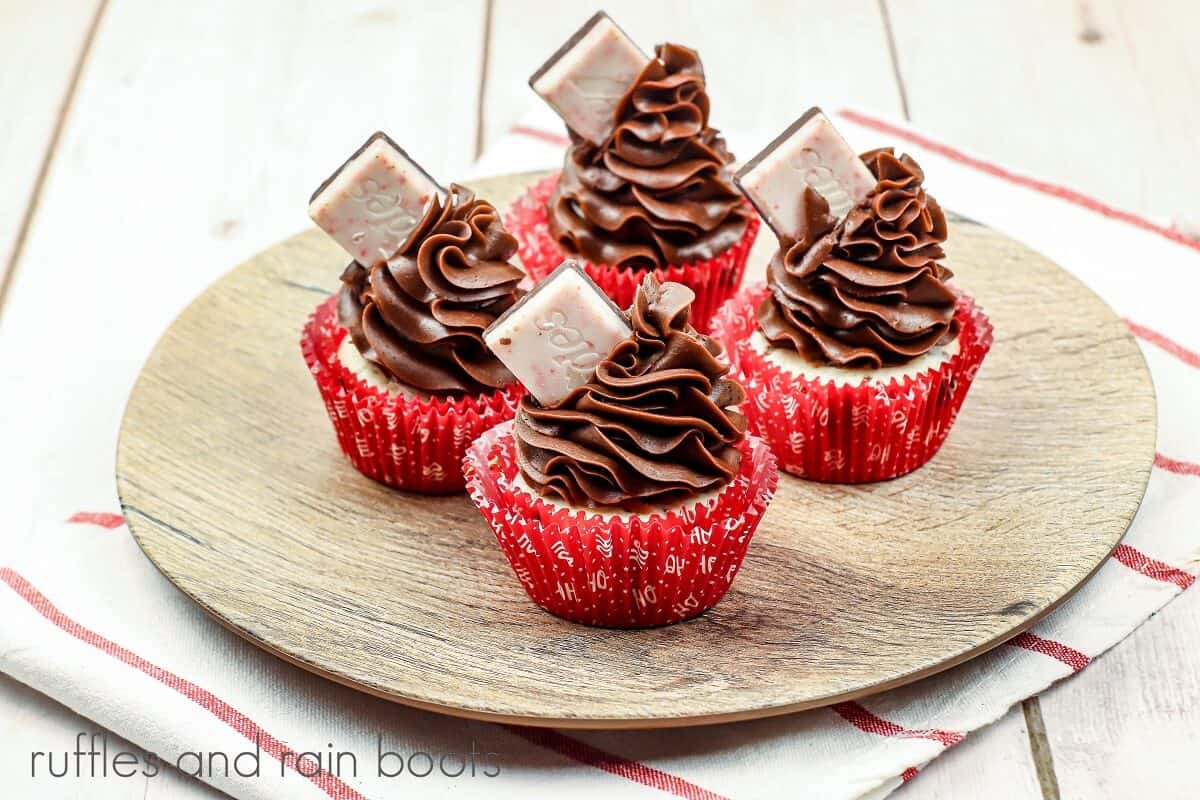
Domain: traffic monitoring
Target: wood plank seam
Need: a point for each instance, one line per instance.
(1045, 767)
(1039, 745)
(39, 183)
(483, 77)
(894, 55)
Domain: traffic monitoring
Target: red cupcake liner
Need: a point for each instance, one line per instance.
(714, 281)
(410, 444)
(612, 572)
(844, 433)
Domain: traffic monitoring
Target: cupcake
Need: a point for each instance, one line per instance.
(645, 186)
(398, 353)
(858, 353)
(630, 500)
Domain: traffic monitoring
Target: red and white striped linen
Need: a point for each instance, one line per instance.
(88, 621)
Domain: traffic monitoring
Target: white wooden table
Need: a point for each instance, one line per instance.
(151, 141)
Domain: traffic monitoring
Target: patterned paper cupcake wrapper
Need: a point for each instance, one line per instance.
(842, 433)
(613, 572)
(411, 444)
(714, 281)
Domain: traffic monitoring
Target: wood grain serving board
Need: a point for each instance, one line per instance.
(233, 485)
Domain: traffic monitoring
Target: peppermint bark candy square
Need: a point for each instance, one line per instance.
(553, 339)
(586, 79)
(374, 200)
(809, 153)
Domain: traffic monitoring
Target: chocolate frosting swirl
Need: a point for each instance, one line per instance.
(655, 424)
(658, 192)
(420, 317)
(868, 290)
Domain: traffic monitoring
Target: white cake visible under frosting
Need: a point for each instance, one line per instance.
(372, 375)
(797, 364)
(661, 509)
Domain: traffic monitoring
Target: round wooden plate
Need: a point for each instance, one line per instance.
(234, 486)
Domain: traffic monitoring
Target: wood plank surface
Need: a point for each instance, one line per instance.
(1105, 98)
(41, 45)
(762, 72)
(41, 53)
(766, 89)
(1100, 95)
(1128, 725)
(272, 58)
(993, 763)
(197, 134)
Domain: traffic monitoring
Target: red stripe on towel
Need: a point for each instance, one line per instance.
(1176, 466)
(1045, 187)
(584, 753)
(1048, 647)
(864, 720)
(102, 518)
(537, 133)
(1189, 357)
(330, 784)
(1152, 568)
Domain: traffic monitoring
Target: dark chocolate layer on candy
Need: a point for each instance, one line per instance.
(753, 163)
(810, 152)
(774, 144)
(376, 136)
(570, 44)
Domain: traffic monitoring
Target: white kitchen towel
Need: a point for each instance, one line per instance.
(88, 620)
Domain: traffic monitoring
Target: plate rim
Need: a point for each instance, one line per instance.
(616, 723)
(136, 518)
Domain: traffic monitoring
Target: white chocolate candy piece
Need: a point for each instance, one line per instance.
(373, 201)
(809, 153)
(553, 339)
(586, 79)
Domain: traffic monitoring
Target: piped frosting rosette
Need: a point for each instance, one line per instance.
(656, 197)
(398, 355)
(857, 355)
(631, 501)
(828, 430)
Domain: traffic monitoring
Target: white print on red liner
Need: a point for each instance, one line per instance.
(583, 753)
